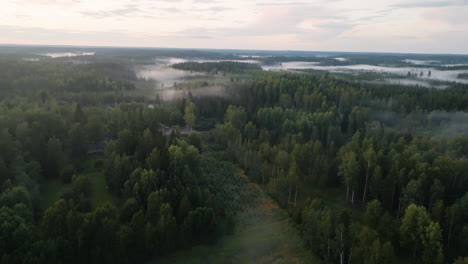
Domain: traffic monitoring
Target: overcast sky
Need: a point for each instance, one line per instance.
(422, 26)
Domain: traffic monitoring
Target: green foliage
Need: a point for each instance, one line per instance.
(54, 161)
(190, 114)
(348, 170)
(236, 116)
(461, 260)
(94, 129)
(118, 170)
(415, 227)
(15, 195)
(329, 129)
(225, 66)
(16, 233)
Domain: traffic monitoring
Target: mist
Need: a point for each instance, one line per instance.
(67, 54)
(172, 94)
(436, 75)
(435, 123)
(170, 83)
(165, 76)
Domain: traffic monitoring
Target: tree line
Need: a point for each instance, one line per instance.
(223, 66)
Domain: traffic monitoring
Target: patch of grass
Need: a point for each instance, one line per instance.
(99, 192)
(53, 189)
(263, 235)
(50, 192)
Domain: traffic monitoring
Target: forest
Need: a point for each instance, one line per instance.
(224, 66)
(367, 173)
(462, 76)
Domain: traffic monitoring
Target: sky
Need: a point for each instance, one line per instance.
(416, 26)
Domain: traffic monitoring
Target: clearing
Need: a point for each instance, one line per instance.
(52, 190)
(263, 234)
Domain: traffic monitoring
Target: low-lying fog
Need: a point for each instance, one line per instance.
(165, 76)
(411, 82)
(297, 65)
(341, 59)
(173, 93)
(421, 62)
(167, 79)
(67, 54)
(450, 76)
(170, 61)
(433, 123)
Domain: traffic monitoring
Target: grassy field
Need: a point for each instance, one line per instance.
(52, 190)
(99, 193)
(263, 235)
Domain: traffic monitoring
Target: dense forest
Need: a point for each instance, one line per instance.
(405, 195)
(462, 76)
(364, 170)
(224, 66)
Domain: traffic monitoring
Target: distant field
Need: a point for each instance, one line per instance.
(52, 190)
(263, 235)
(99, 193)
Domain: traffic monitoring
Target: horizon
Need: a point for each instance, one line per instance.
(227, 49)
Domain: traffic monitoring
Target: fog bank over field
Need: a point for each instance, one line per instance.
(165, 76)
(297, 65)
(173, 93)
(172, 60)
(67, 54)
(421, 62)
(436, 123)
(412, 82)
(170, 83)
(437, 75)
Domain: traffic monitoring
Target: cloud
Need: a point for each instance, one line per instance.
(387, 25)
(451, 15)
(65, 3)
(206, 1)
(284, 4)
(450, 40)
(120, 12)
(430, 3)
(215, 9)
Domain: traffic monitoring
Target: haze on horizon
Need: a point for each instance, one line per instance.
(407, 26)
